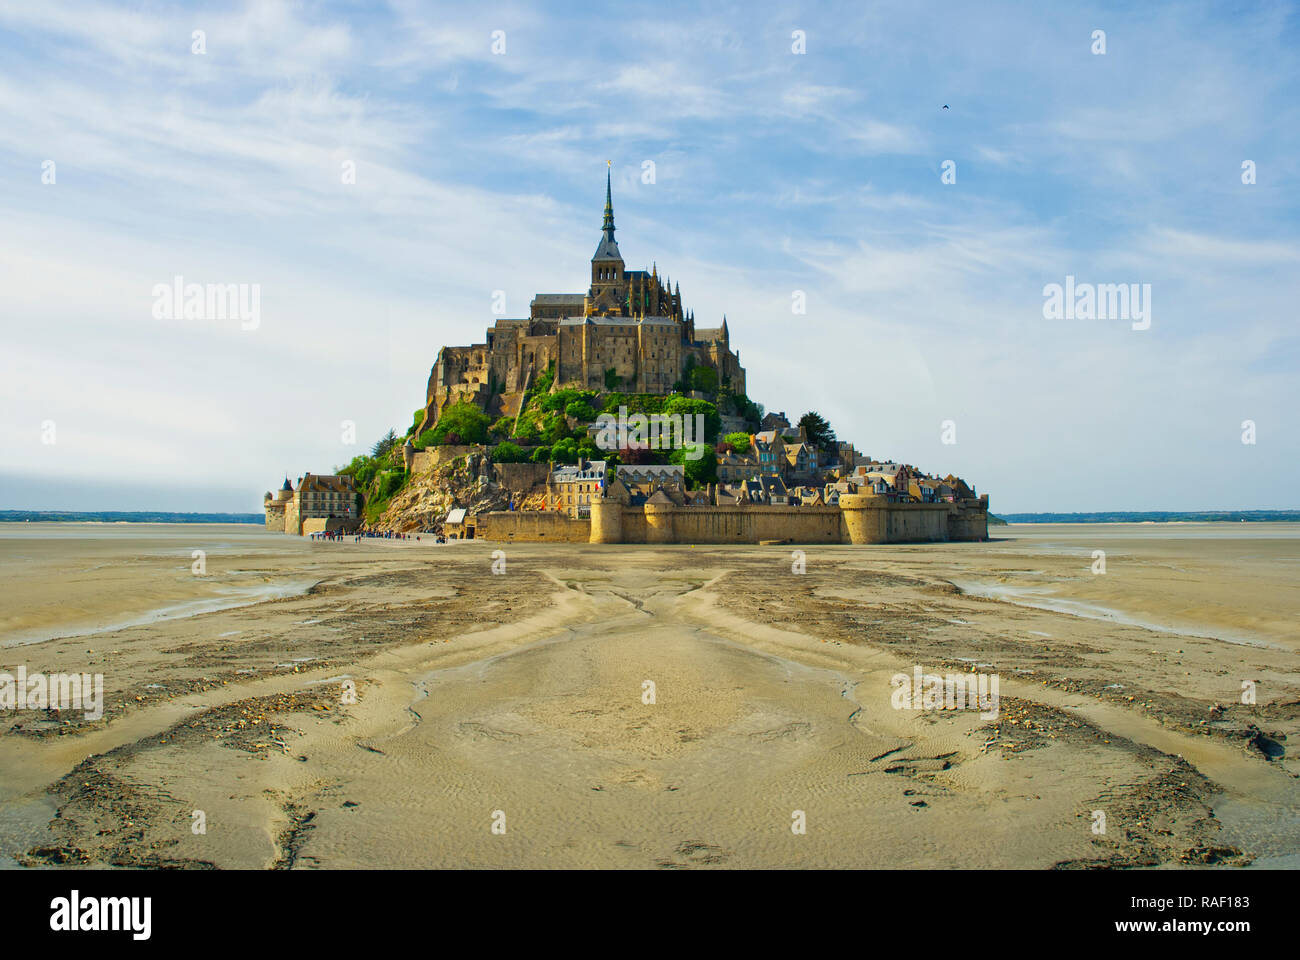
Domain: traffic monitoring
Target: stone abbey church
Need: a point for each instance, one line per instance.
(629, 325)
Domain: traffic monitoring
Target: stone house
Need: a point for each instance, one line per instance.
(317, 496)
(770, 450)
(571, 488)
(735, 467)
(801, 461)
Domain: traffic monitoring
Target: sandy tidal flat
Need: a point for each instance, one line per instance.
(397, 704)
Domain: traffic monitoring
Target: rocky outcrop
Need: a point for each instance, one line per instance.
(471, 481)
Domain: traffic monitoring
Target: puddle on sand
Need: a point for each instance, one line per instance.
(1039, 598)
(24, 823)
(1270, 830)
(235, 597)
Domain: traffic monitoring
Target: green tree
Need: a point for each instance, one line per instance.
(687, 406)
(817, 430)
(565, 450)
(703, 379)
(385, 444)
(699, 471)
(362, 470)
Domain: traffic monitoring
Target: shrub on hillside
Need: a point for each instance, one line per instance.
(390, 481)
(739, 442)
(508, 452)
(581, 411)
(462, 421)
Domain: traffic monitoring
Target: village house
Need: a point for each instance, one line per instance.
(960, 491)
(801, 461)
(634, 484)
(735, 467)
(831, 492)
(633, 473)
(571, 488)
(316, 497)
(764, 491)
(770, 450)
(455, 526)
(896, 475)
(930, 490)
(805, 496)
(775, 422)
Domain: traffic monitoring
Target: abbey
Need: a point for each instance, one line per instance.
(629, 332)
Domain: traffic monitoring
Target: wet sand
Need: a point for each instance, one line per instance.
(518, 700)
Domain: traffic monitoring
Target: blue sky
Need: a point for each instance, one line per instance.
(775, 172)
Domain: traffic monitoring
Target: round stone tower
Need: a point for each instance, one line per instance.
(865, 517)
(606, 520)
(659, 519)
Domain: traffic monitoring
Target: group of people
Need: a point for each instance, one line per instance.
(338, 536)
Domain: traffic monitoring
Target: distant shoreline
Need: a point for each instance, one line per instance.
(1153, 516)
(124, 516)
(148, 516)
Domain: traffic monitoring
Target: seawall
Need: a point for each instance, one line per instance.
(858, 520)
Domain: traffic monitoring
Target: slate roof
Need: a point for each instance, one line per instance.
(649, 471)
(570, 472)
(607, 249)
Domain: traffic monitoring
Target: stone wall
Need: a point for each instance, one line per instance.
(532, 526)
(874, 519)
(275, 515)
(972, 521)
(430, 457)
(728, 523)
(521, 476)
(322, 524)
(863, 520)
(734, 523)
(292, 519)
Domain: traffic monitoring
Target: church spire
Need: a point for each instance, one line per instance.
(607, 249)
(608, 225)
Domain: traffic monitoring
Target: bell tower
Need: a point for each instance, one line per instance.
(608, 284)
